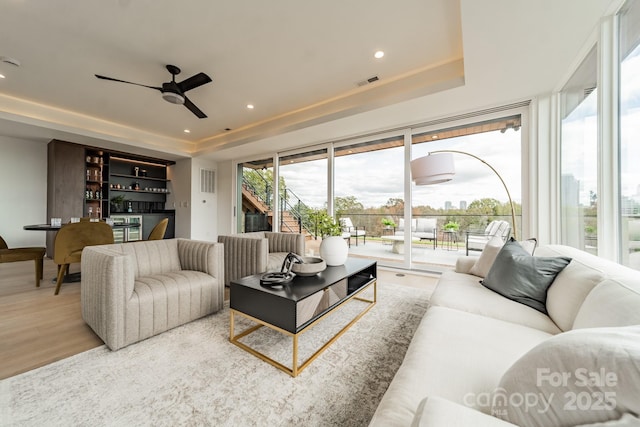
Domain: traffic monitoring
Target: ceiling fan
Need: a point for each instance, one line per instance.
(173, 91)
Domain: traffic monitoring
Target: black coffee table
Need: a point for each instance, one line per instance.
(298, 305)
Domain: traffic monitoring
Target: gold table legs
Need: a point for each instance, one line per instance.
(296, 369)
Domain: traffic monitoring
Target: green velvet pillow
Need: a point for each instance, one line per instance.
(523, 278)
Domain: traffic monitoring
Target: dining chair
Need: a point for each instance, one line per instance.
(23, 254)
(72, 238)
(157, 233)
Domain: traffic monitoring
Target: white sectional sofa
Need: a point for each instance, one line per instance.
(476, 353)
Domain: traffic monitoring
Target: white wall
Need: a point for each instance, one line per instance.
(196, 212)
(23, 190)
(204, 206)
(179, 197)
(226, 194)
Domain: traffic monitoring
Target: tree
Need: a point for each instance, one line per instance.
(395, 205)
(261, 182)
(346, 205)
(485, 206)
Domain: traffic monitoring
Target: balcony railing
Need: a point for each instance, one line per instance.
(375, 228)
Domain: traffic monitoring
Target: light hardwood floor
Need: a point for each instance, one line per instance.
(38, 327)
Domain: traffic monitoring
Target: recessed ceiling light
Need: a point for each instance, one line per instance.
(250, 106)
(187, 131)
(434, 136)
(1, 76)
(379, 54)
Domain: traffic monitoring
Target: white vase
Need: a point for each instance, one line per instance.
(334, 250)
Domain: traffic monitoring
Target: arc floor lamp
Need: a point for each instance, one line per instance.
(438, 167)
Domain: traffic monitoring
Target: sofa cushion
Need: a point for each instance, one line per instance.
(568, 291)
(435, 411)
(456, 355)
(427, 225)
(153, 256)
(487, 257)
(275, 260)
(164, 301)
(577, 377)
(490, 252)
(614, 302)
(627, 420)
(523, 278)
(464, 292)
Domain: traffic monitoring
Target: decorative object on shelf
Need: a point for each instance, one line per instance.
(310, 266)
(437, 167)
(334, 249)
(136, 169)
(136, 186)
(117, 203)
(279, 278)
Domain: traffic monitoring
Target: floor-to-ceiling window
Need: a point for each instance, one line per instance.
(304, 190)
(364, 183)
(579, 157)
(475, 196)
(630, 134)
(369, 193)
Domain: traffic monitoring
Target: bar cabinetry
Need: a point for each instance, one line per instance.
(85, 181)
(137, 185)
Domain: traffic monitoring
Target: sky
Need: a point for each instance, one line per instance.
(375, 177)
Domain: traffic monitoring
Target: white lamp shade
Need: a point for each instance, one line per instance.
(433, 169)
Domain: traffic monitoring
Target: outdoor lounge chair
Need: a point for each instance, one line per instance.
(476, 240)
(354, 231)
(421, 228)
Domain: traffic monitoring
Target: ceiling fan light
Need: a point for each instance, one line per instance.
(174, 98)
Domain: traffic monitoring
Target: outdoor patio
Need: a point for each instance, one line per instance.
(424, 256)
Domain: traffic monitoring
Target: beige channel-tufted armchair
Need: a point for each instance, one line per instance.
(257, 252)
(136, 290)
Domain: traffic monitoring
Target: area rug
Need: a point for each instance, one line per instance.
(193, 376)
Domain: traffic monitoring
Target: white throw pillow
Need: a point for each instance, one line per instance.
(487, 257)
(577, 377)
(490, 252)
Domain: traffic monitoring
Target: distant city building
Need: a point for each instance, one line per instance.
(463, 205)
(447, 205)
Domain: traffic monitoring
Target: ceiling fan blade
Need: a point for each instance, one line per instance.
(194, 81)
(124, 81)
(195, 110)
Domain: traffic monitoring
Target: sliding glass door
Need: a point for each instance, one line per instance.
(255, 196)
(303, 178)
(369, 196)
(475, 196)
(366, 185)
